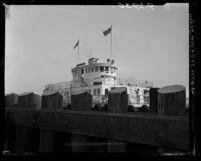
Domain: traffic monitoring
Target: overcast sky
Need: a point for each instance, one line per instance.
(147, 44)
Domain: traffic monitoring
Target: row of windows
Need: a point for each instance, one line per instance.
(66, 92)
(145, 99)
(96, 92)
(97, 69)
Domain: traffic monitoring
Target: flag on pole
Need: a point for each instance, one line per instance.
(106, 32)
(76, 44)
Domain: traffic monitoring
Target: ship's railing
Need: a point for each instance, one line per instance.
(134, 82)
(58, 86)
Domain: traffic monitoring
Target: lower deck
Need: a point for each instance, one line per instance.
(138, 96)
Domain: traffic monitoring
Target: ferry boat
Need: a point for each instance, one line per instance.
(98, 78)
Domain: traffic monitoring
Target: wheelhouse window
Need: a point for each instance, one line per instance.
(138, 98)
(94, 92)
(101, 69)
(92, 69)
(106, 91)
(112, 70)
(97, 83)
(96, 69)
(98, 91)
(146, 92)
(106, 69)
(82, 71)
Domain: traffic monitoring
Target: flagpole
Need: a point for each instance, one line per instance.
(111, 42)
(78, 51)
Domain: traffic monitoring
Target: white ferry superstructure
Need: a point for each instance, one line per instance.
(97, 79)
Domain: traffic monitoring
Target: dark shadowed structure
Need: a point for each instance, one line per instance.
(172, 100)
(11, 99)
(81, 101)
(52, 100)
(30, 100)
(118, 100)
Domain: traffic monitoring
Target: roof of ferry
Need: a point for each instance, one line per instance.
(95, 65)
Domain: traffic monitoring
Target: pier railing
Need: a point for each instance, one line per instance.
(38, 131)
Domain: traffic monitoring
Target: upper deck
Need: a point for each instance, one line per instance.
(95, 75)
(93, 72)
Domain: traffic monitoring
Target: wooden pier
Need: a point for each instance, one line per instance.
(57, 131)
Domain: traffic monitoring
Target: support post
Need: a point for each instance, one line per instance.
(118, 100)
(153, 100)
(172, 100)
(117, 103)
(81, 101)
